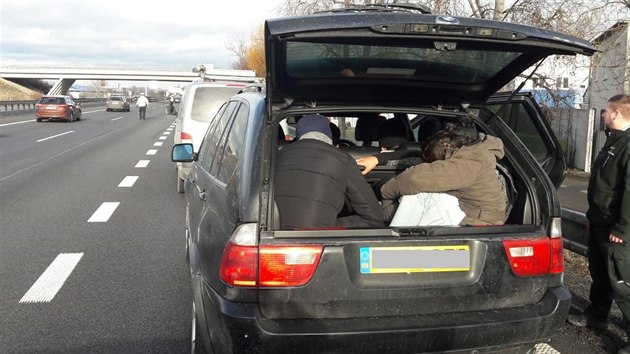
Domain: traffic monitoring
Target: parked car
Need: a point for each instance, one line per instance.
(196, 109)
(57, 107)
(259, 288)
(117, 103)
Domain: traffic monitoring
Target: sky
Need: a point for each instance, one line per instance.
(173, 35)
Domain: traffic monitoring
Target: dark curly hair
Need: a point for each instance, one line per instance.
(443, 144)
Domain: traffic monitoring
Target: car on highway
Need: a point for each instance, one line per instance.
(57, 108)
(397, 289)
(197, 107)
(117, 103)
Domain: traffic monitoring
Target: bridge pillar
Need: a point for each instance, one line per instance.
(61, 87)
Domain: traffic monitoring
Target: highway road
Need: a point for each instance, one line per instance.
(92, 236)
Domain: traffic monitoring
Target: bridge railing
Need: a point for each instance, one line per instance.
(29, 105)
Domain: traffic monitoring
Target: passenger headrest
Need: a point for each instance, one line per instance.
(367, 126)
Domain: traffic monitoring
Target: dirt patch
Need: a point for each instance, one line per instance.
(10, 91)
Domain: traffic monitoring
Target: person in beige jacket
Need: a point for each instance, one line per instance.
(465, 171)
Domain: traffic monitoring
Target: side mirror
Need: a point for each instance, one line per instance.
(183, 153)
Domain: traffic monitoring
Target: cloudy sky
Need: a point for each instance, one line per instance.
(178, 34)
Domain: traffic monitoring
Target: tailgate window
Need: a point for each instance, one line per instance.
(307, 60)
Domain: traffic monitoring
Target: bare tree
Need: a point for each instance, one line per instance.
(239, 46)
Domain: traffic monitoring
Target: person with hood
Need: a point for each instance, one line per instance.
(459, 167)
(313, 180)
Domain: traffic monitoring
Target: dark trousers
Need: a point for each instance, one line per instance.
(609, 265)
(142, 111)
(601, 294)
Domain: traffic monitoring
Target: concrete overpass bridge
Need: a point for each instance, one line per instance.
(67, 76)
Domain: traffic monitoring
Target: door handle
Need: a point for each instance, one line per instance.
(202, 195)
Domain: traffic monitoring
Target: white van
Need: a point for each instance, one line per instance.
(198, 106)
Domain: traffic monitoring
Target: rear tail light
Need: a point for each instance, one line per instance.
(529, 257)
(246, 264)
(186, 138)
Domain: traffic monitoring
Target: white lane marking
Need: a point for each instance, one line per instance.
(151, 151)
(169, 129)
(163, 137)
(563, 186)
(14, 123)
(158, 143)
(55, 156)
(53, 278)
(128, 181)
(117, 118)
(54, 136)
(166, 133)
(98, 110)
(143, 163)
(584, 191)
(104, 212)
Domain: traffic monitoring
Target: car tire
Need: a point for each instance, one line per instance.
(70, 117)
(196, 344)
(107, 110)
(39, 120)
(180, 185)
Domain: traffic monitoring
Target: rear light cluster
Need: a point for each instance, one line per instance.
(538, 256)
(186, 138)
(246, 264)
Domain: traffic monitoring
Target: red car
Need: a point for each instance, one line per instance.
(57, 107)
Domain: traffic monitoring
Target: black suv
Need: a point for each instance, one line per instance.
(258, 288)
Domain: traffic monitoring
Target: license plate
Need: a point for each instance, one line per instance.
(51, 107)
(378, 260)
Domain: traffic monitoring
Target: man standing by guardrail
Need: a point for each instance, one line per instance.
(142, 104)
(609, 222)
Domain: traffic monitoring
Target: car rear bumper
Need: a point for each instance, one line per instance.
(51, 116)
(515, 330)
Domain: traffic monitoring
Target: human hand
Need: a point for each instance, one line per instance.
(368, 163)
(614, 239)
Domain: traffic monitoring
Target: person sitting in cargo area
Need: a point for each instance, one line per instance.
(313, 179)
(458, 166)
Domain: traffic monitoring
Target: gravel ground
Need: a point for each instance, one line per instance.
(578, 281)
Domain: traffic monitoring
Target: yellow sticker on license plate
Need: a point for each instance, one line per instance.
(420, 259)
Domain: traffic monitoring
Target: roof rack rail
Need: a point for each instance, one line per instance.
(253, 88)
(382, 8)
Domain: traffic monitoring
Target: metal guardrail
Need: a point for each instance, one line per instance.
(574, 231)
(17, 106)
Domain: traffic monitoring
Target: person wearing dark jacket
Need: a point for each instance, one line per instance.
(609, 221)
(313, 180)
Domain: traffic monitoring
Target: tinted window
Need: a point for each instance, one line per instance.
(232, 149)
(207, 101)
(204, 159)
(52, 100)
(213, 139)
(332, 60)
(115, 99)
(519, 120)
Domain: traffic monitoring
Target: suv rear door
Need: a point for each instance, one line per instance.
(523, 115)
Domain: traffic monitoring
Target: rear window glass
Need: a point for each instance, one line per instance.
(208, 100)
(115, 98)
(306, 60)
(52, 100)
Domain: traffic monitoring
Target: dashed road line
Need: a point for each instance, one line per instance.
(151, 152)
(142, 163)
(166, 133)
(50, 282)
(54, 136)
(14, 123)
(163, 137)
(584, 191)
(128, 182)
(117, 118)
(104, 212)
(158, 143)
